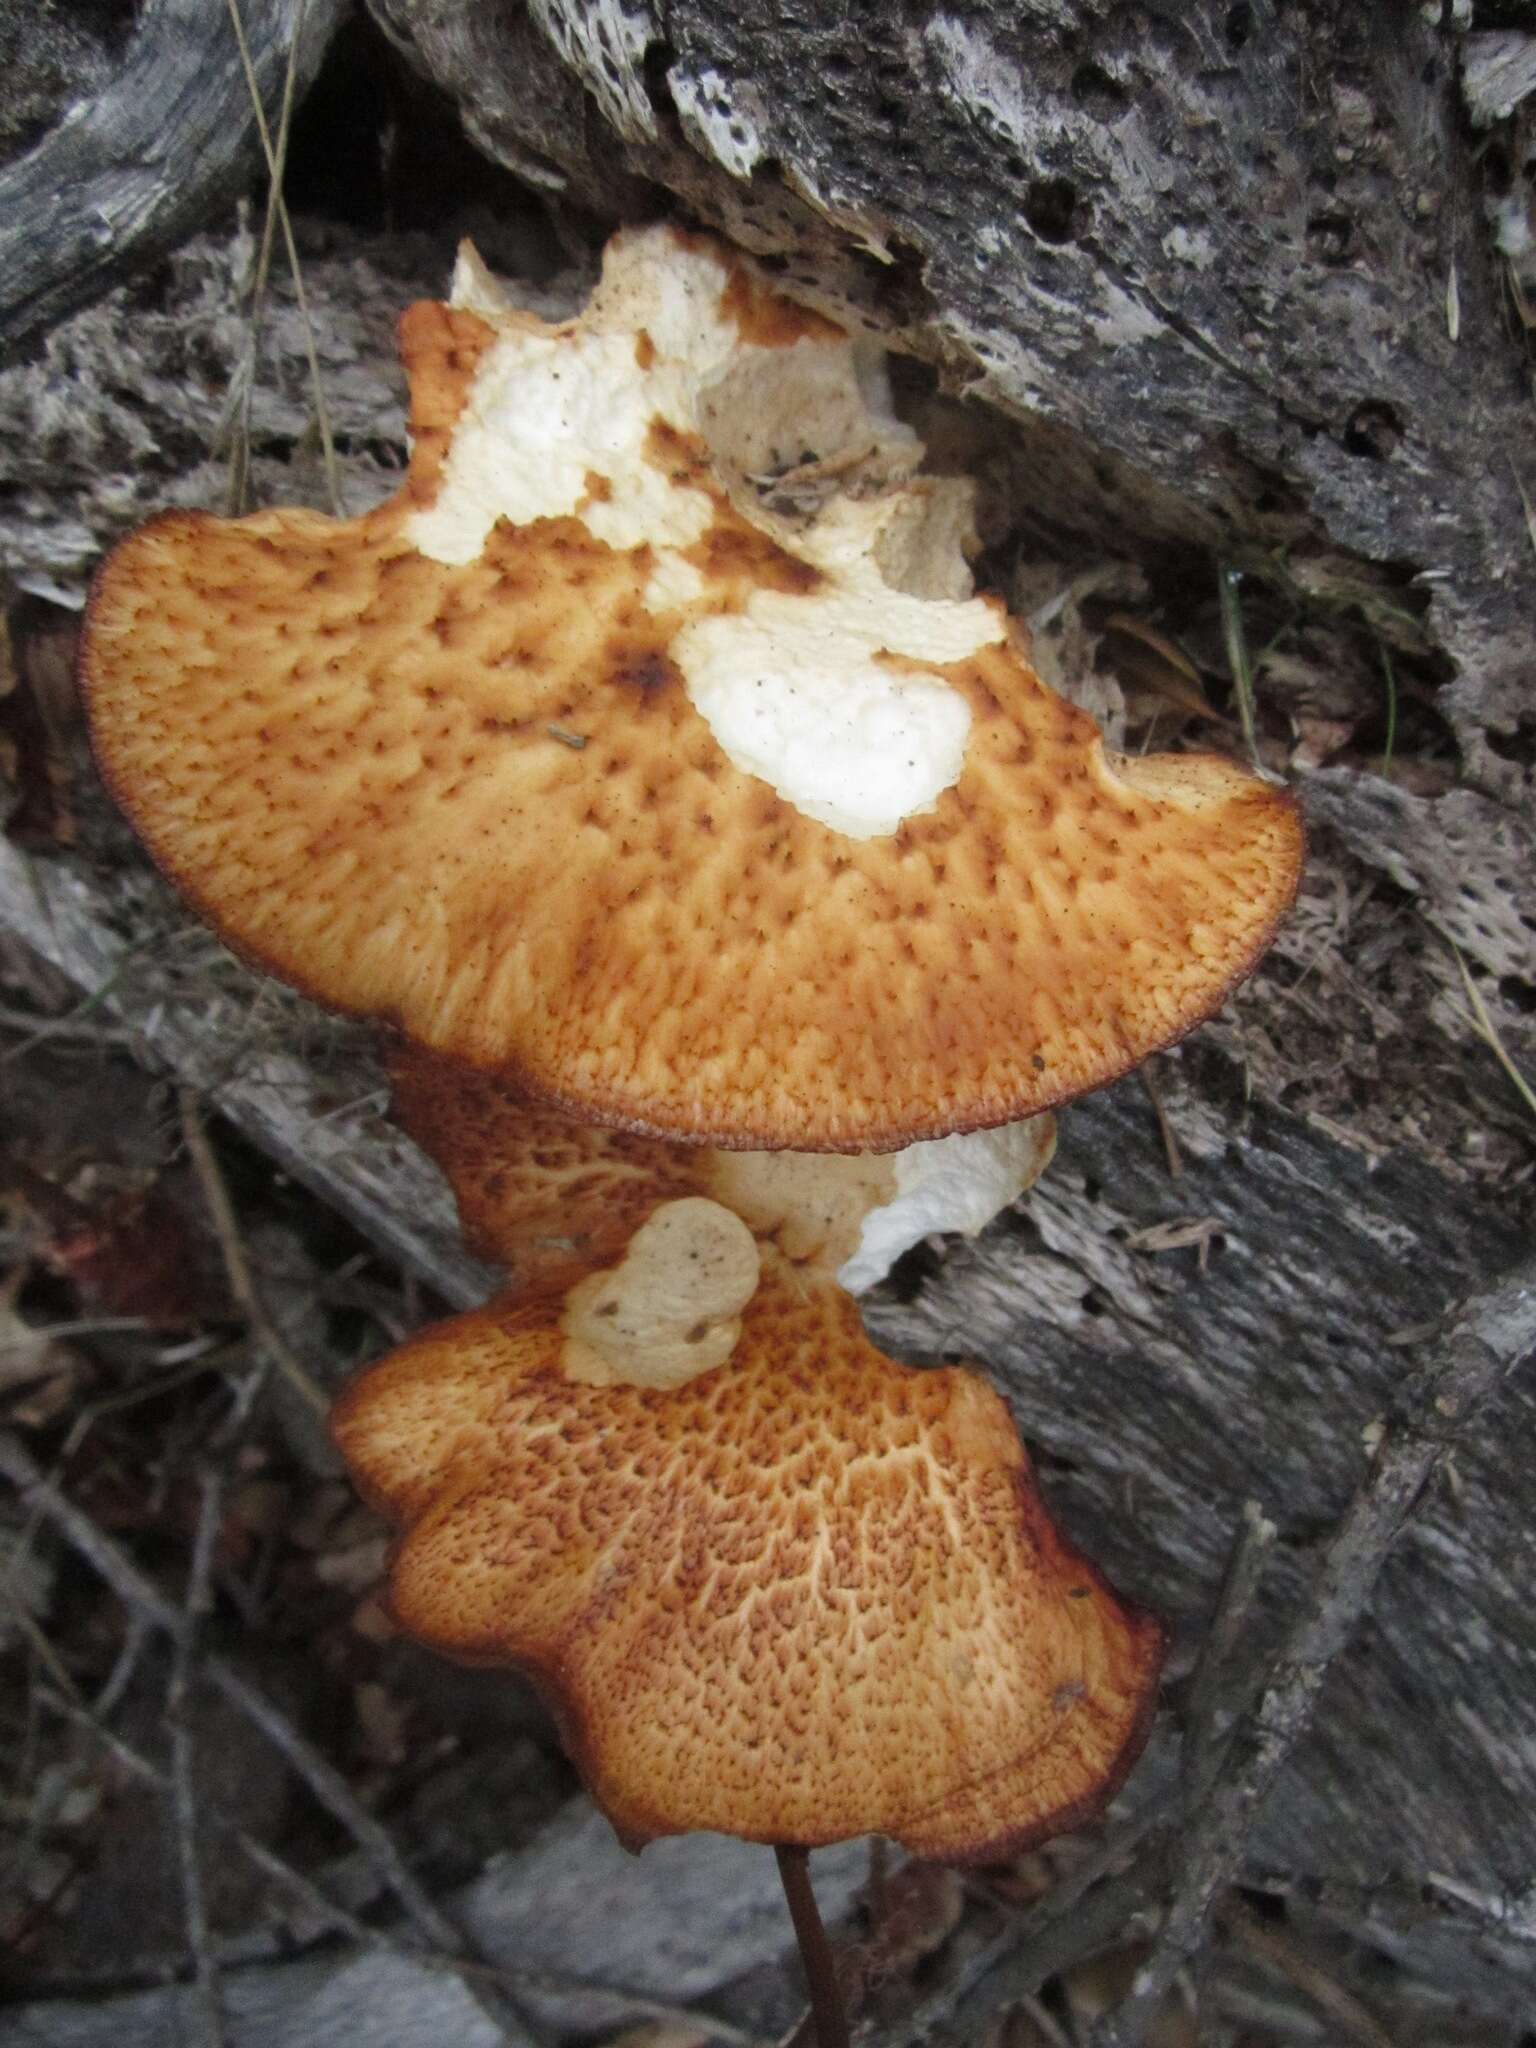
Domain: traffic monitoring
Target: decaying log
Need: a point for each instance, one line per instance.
(1234, 255)
(129, 173)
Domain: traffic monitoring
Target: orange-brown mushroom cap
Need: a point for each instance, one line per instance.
(808, 1595)
(463, 781)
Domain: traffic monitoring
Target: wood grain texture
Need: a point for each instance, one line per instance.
(127, 175)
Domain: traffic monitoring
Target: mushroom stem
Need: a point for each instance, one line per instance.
(815, 1950)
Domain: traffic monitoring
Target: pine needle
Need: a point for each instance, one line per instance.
(276, 155)
(1389, 674)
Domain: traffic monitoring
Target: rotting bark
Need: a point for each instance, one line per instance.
(131, 171)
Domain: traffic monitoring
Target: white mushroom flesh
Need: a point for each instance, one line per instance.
(822, 695)
(957, 1183)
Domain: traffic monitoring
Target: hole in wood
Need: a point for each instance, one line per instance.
(1050, 208)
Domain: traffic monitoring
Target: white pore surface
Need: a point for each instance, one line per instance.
(957, 1183)
(791, 688)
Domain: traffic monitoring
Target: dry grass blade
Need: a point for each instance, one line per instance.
(237, 1266)
(1488, 1031)
(1147, 1076)
(275, 154)
(1389, 676)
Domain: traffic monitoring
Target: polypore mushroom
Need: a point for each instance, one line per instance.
(649, 751)
(805, 1594)
(773, 1582)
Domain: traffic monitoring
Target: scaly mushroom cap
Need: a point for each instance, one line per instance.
(647, 750)
(807, 1595)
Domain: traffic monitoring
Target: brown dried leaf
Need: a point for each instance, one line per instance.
(918, 1911)
(133, 1254)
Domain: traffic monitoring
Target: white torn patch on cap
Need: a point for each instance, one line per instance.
(795, 693)
(551, 407)
(545, 414)
(957, 1183)
(794, 688)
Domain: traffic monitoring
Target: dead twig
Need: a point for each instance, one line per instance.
(126, 1662)
(1072, 1923)
(1217, 1692)
(183, 1791)
(237, 1267)
(321, 1911)
(71, 1029)
(1484, 1341)
(1200, 1752)
(40, 1495)
(1331, 1999)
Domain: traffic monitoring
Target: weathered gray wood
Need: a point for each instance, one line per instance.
(367, 2001)
(311, 1097)
(129, 174)
(1215, 245)
(572, 1909)
(1172, 1395)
